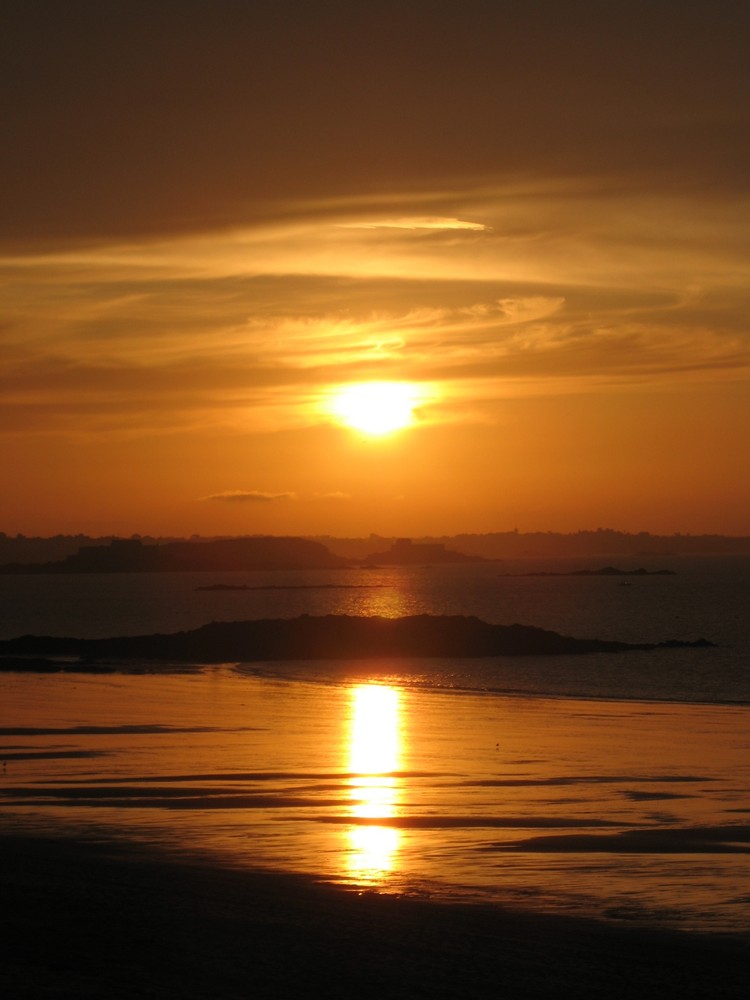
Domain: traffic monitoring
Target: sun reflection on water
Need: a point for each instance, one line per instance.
(374, 756)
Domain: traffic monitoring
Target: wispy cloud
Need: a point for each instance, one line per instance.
(419, 222)
(249, 328)
(248, 496)
(559, 269)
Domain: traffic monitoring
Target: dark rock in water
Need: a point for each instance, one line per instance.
(603, 571)
(329, 637)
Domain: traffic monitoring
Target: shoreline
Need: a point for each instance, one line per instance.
(89, 918)
(288, 671)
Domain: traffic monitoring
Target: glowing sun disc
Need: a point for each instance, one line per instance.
(375, 407)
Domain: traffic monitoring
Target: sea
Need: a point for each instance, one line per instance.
(613, 786)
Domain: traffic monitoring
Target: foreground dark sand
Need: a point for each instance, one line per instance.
(83, 920)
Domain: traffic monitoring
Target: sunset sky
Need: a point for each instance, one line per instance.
(533, 217)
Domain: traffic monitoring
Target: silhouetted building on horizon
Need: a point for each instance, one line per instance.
(405, 552)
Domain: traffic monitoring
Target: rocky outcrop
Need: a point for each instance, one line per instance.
(327, 637)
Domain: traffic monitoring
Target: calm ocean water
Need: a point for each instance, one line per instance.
(617, 786)
(706, 598)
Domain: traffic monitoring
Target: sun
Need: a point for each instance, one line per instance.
(375, 408)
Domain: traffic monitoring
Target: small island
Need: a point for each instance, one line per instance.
(604, 571)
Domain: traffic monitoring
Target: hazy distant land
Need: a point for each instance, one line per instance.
(265, 552)
(81, 553)
(133, 555)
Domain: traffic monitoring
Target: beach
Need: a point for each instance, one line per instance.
(90, 919)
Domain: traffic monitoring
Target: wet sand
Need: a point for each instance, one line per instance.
(83, 919)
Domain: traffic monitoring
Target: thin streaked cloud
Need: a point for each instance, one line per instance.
(248, 496)
(247, 328)
(427, 223)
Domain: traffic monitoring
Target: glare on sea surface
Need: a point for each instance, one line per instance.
(375, 408)
(374, 754)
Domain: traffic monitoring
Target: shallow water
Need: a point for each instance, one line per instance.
(644, 807)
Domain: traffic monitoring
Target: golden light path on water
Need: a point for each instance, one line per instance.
(374, 756)
(624, 810)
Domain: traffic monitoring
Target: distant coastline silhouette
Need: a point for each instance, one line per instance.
(262, 552)
(131, 555)
(83, 554)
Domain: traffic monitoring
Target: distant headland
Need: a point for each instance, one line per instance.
(262, 552)
(132, 555)
(330, 637)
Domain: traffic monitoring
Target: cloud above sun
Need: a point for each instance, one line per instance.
(249, 496)
(417, 223)
(557, 288)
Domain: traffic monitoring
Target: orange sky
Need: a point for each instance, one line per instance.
(215, 214)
